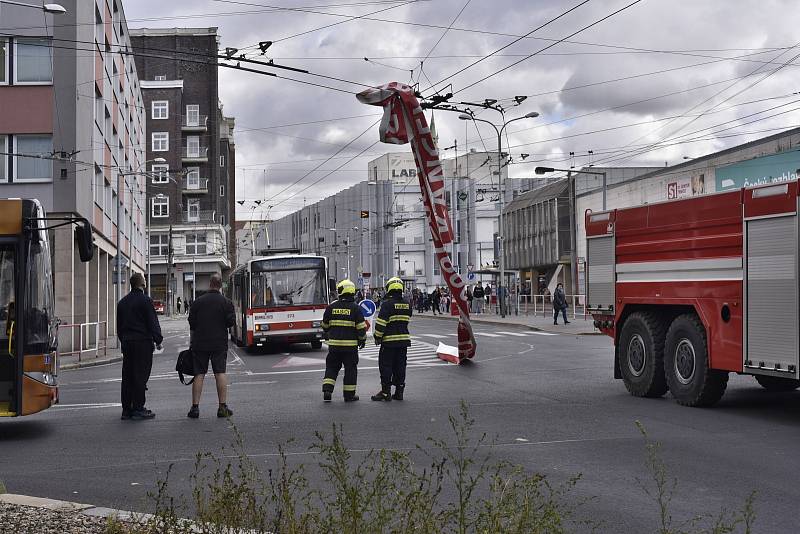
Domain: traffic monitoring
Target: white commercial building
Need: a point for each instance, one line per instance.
(377, 228)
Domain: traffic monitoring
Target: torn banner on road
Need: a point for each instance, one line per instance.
(403, 122)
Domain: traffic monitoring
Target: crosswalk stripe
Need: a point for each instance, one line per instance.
(544, 334)
(437, 336)
(486, 334)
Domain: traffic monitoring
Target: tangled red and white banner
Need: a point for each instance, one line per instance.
(403, 122)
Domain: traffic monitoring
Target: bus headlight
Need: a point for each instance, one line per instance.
(316, 324)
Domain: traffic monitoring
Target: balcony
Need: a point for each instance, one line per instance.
(194, 154)
(197, 123)
(199, 217)
(194, 185)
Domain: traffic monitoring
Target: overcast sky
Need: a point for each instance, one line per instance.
(727, 80)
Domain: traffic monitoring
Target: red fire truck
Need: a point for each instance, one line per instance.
(694, 289)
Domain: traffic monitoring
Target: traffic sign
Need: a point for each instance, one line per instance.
(470, 267)
(364, 214)
(367, 307)
(471, 276)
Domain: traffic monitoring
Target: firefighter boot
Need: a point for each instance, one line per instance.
(398, 392)
(385, 394)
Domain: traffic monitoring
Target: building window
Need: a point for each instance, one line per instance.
(418, 239)
(33, 61)
(195, 244)
(193, 115)
(160, 141)
(222, 220)
(33, 162)
(193, 210)
(193, 178)
(159, 245)
(3, 61)
(160, 109)
(401, 240)
(222, 190)
(161, 77)
(160, 173)
(160, 207)
(3, 158)
(192, 146)
(222, 161)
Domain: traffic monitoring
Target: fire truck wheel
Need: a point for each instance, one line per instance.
(641, 354)
(690, 380)
(316, 345)
(776, 383)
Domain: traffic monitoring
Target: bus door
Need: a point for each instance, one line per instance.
(10, 370)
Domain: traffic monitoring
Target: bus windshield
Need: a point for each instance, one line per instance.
(288, 282)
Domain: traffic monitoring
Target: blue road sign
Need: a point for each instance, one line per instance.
(367, 308)
(471, 276)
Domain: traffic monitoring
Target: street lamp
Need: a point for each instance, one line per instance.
(52, 9)
(468, 117)
(573, 222)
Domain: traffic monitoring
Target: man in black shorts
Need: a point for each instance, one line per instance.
(210, 316)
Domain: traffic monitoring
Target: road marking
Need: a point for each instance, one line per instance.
(535, 333)
(486, 334)
(518, 334)
(437, 336)
(88, 406)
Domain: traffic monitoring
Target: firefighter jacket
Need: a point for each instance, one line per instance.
(391, 326)
(344, 325)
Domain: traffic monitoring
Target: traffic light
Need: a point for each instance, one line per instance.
(364, 214)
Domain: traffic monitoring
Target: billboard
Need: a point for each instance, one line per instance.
(757, 171)
(686, 186)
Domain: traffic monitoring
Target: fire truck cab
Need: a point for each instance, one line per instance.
(694, 289)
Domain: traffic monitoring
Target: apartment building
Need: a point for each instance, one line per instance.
(189, 192)
(71, 130)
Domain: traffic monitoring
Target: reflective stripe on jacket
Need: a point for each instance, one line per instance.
(344, 326)
(391, 326)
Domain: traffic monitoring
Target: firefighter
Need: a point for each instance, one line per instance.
(391, 334)
(346, 332)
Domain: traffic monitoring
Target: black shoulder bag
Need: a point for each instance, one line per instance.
(185, 366)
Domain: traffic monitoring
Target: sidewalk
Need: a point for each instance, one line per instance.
(577, 326)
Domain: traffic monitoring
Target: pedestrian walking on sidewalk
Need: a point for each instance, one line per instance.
(391, 334)
(559, 304)
(138, 332)
(210, 316)
(478, 296)
(178, 305)
(436, 298)
(346, 332)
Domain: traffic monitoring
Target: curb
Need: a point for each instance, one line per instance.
(501, 323)
(66, 506)
(89, 363)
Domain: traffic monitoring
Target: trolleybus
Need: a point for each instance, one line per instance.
(28, 325)
(279, 299)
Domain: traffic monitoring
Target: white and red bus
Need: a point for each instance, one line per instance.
(280, 299)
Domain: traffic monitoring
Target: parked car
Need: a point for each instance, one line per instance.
(159, 306)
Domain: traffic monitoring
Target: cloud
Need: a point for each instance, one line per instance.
(603, 117)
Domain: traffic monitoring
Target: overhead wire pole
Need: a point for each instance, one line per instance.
(501, 249)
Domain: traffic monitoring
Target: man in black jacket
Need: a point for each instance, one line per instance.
(210, 316)
(137, 330)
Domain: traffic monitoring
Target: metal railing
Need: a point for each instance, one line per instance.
(198, 122)
(201, 216)
(195, 185)
(89, 339)
(542, 305)
(194, 152)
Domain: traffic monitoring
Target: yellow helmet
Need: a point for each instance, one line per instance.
(346, 287)
(394, 284)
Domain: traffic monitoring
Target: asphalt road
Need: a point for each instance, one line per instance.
(550, 401)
